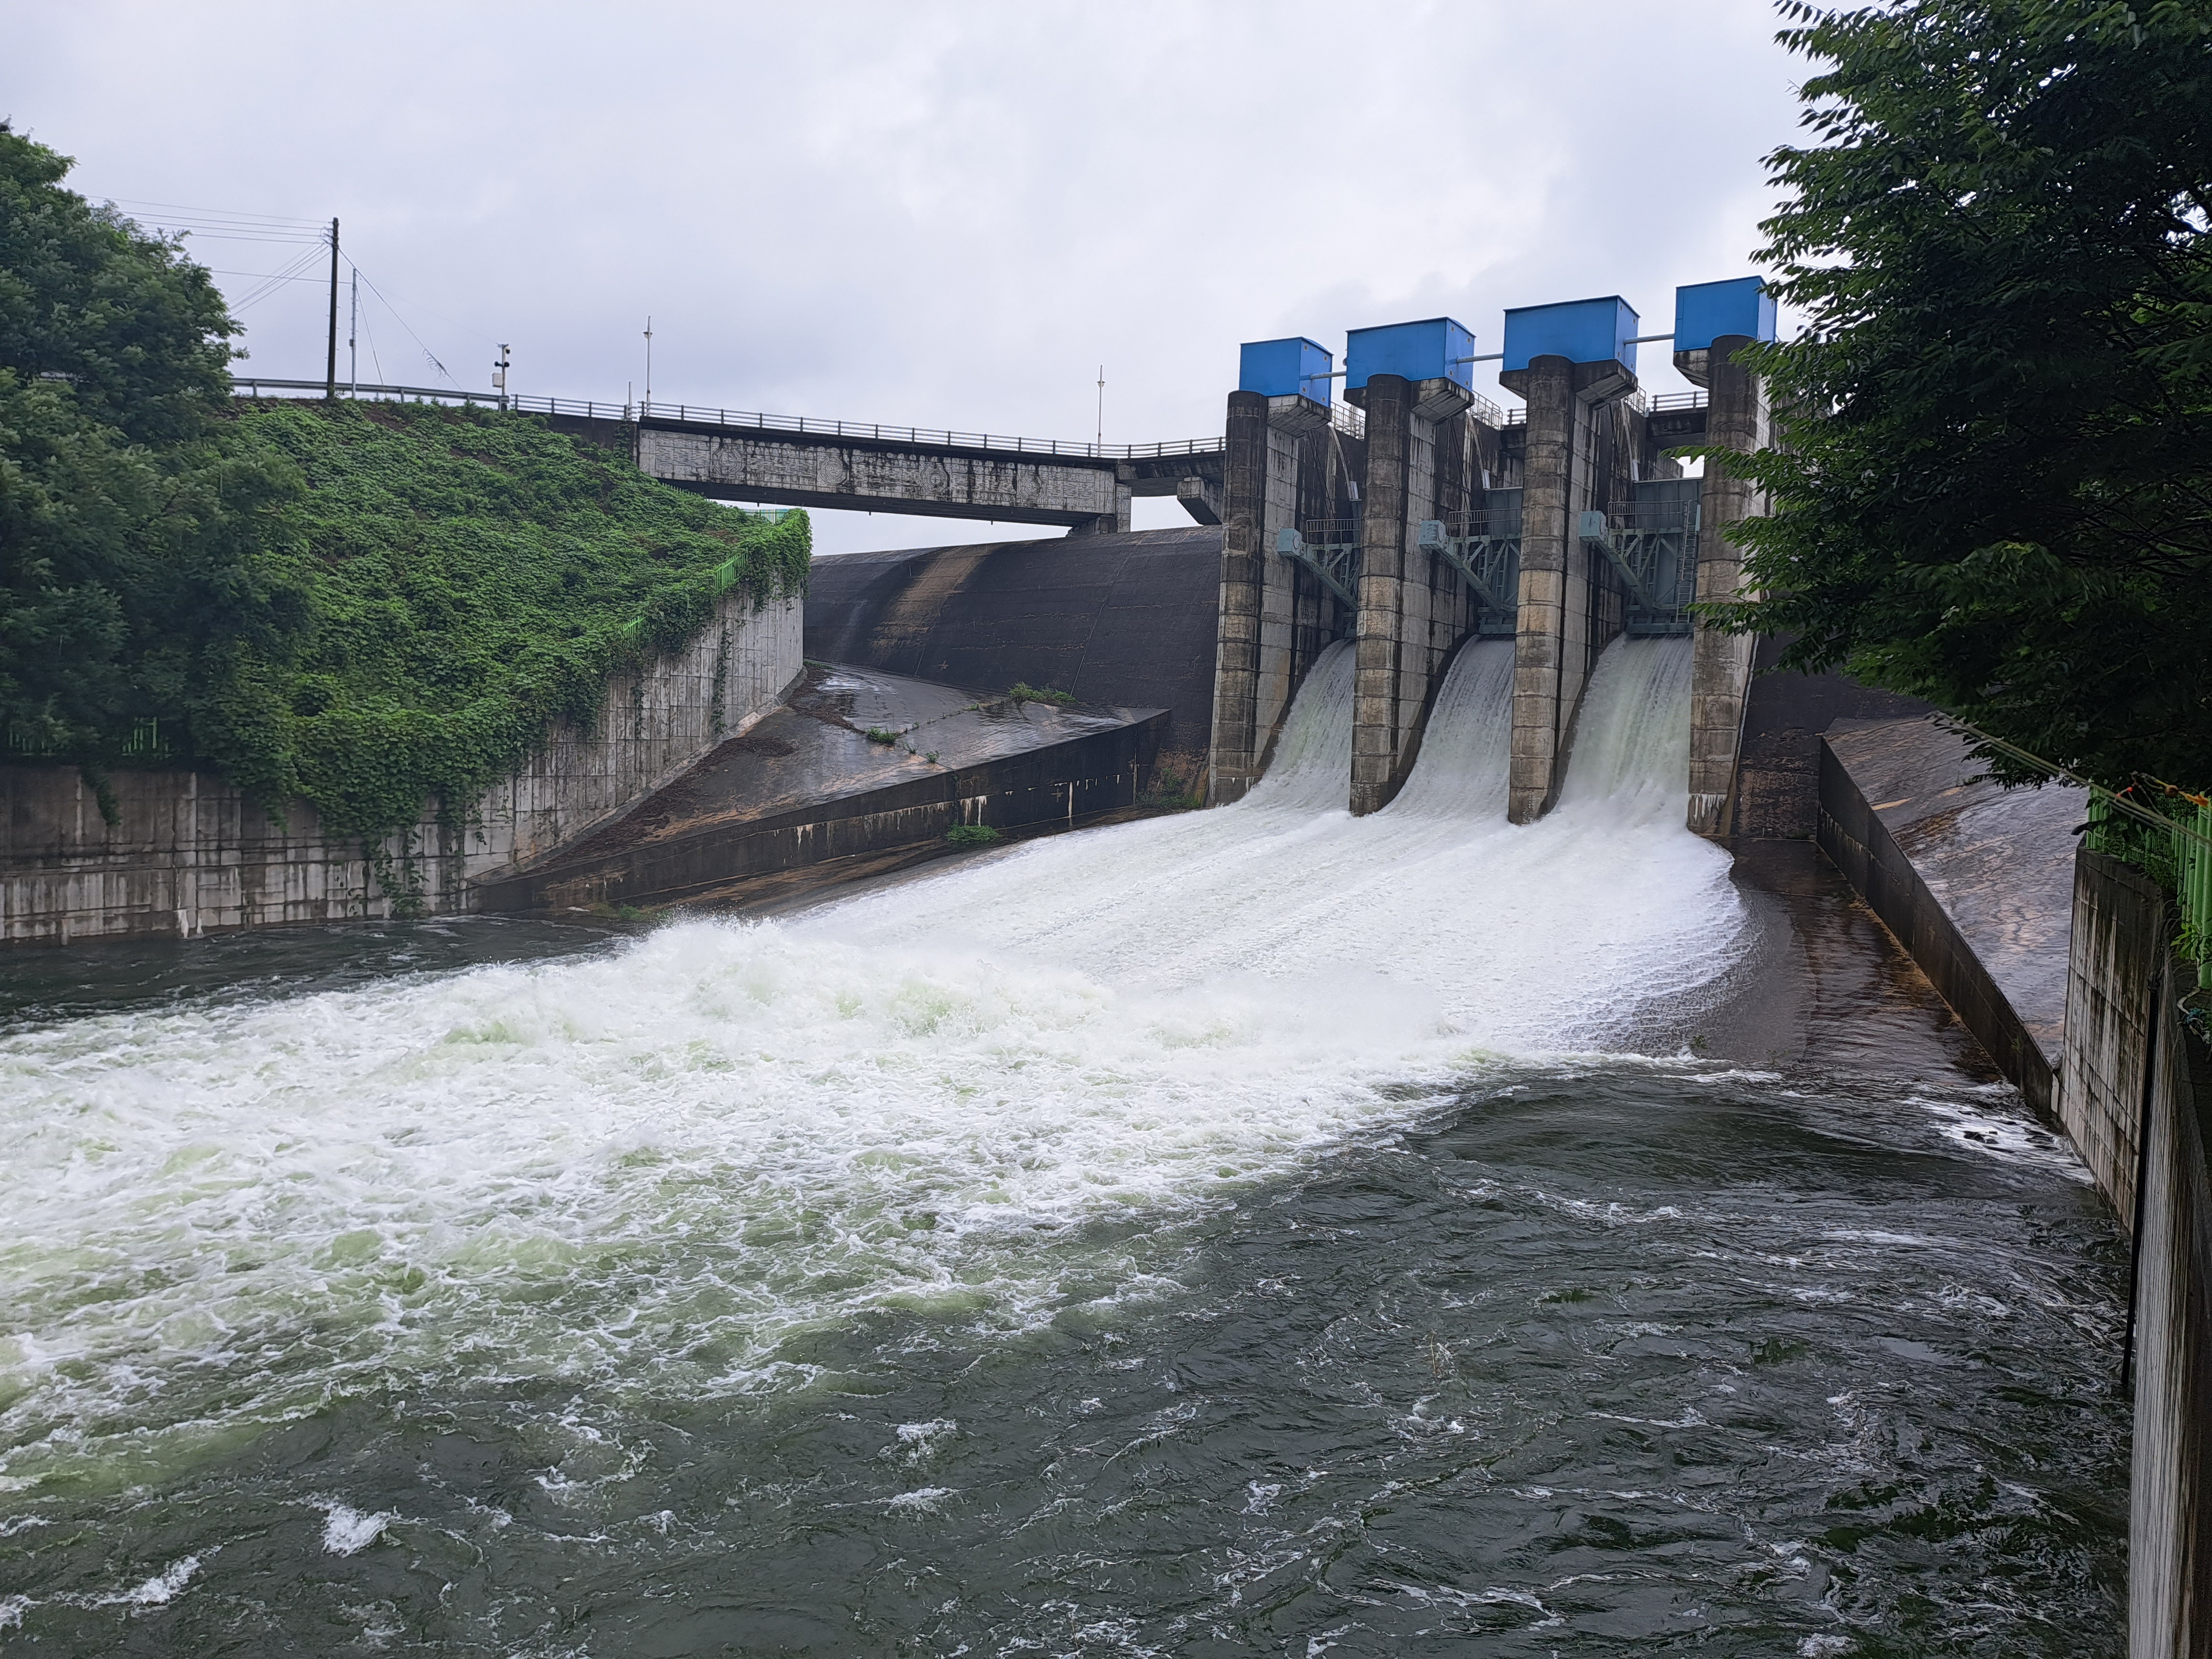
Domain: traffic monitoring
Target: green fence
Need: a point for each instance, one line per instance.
(2167, 835)
(142, 742)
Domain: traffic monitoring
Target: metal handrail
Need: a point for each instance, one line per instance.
(1485, 411)
(1349, 419)
(240, 385)
(1665, 400)
(685, 415)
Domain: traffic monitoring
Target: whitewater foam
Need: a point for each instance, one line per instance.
(736, 1131)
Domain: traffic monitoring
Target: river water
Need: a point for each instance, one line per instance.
(1252, 1232)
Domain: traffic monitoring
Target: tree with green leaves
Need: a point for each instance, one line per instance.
(133, 547)
(1992, 484)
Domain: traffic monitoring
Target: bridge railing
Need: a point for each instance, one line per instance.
(256, 385)
(692, 415)
(739, 420)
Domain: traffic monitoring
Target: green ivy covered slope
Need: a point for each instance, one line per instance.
(455, 580)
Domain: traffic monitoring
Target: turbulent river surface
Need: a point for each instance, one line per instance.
(1253, 1231)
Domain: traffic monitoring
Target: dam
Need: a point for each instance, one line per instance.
(1477, 1185)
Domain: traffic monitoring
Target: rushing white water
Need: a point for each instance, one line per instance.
(653, 1168)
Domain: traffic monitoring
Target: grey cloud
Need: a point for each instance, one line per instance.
(947, 216)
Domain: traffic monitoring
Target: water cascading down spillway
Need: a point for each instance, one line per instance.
(1033, 1220)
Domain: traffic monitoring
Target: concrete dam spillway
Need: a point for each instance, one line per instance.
(1223, 1228)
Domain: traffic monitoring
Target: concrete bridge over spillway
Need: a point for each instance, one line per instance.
(862, 466)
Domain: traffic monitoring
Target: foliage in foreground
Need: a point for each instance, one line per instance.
(1994, 486)
(132, 544)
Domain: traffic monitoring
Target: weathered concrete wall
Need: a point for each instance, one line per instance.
(1063, 783)
(2136, 1094)
(1735, 418)
(192, 855)
(855, 474)
(2117, 951)
(1237, 735)
(1415, 606)
(1569, 610)
(1287, 470)
(1777, 788)
(2018, 936)
(1128, 620)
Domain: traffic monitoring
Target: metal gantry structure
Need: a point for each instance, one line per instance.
(1655, 549)
(1330, 549)
(1485, 548)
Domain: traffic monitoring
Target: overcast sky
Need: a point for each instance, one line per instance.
(935, 214)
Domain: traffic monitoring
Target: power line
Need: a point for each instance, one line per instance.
(276, 279)
(402, 322)
(223, 225)
(220, 213)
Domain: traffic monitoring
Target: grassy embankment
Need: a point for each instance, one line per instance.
(459, 581)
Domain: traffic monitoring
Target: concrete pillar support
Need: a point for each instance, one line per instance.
(1233, 762)
(1381, 643)
(1736, 418)
(1565, 618)
(1414, 606)
(1274, 616)
(1107, 524)
(1547, 478)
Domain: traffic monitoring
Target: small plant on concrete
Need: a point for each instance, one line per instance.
(1021, 692)
(882, 734)
(1173, 786)
(972, 835)
(931, 757)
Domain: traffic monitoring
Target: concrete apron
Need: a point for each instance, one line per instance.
(858, 762)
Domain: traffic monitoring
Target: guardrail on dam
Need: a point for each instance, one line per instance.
(862, 466)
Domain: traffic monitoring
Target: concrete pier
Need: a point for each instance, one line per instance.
(1287, 470)
(1570, 606)
(1736, 417)
(1415, 607)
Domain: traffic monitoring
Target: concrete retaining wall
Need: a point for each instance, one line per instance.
(1859, 844)
(2137, 1091)
(1062, 783)
(192, 855)
(1778, 787)
(2116, 953)
(1123, 620)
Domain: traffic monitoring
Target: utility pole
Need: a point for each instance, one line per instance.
(353, 339)
(648, 366)
(499, 374)
(1100, 440)
(331, 365)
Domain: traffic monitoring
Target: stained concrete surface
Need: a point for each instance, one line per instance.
(1125, 620)
(816, 748)
(809, 786)
(2000, 862)
(1778, 785)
